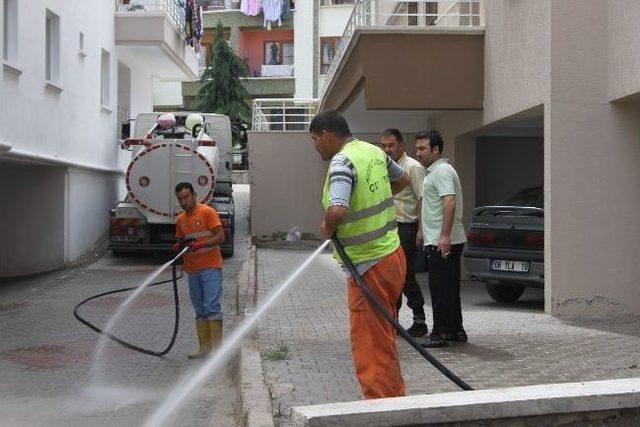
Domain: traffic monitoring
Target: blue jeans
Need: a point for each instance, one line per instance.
(205, 290)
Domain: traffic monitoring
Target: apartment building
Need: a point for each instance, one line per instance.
(72, 74)
(287, 59)
(525, 93)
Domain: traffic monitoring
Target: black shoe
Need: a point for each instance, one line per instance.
(418, 330)
(434, 341)
(460, 336)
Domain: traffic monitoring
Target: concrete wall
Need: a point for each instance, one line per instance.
(70, 123)
(32, 218)
(65, 127)
(285, 192)
(623, 36)
(305, 34)
(90, 196)
(506, 165)
(517, 56)
(286, 175)
(312, 21)
(591, 171)
(333, 19)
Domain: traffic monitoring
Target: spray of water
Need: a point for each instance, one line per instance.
(194, 379)
(115, 318)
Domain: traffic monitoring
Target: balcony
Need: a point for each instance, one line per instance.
(409, 55)
(283, 114)
(216, 5)
(152, 31)
(258, 87)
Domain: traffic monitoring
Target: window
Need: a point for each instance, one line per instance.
(278, 53)
(52, 47)
(335, 2)
(81, 43)
(328, 46)
(207, 42)
(10, 31)
(105, 79)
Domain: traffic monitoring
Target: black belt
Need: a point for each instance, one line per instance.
(407, 224)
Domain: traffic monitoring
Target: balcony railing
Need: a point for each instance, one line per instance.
(283, 114)
(172, 8)
(405, 14)
(216, 5)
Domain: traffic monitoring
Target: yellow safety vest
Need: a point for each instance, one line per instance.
(369, 231)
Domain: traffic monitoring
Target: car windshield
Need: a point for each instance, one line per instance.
(528, 197)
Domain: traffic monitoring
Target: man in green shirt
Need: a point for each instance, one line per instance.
(442, 233)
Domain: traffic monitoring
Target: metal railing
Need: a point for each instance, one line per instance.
(216, 5)
(173, 8)
(405, 14)
(275, 114)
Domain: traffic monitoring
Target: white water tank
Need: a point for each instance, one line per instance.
(156, 168)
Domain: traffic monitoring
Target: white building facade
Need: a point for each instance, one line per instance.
(72, 74)
(318, 26)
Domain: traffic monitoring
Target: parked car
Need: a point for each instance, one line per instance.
(505, 248)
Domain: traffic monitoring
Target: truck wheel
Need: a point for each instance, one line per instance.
(505, 293)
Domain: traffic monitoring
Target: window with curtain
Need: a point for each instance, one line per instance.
(328, 47)
(278, 52)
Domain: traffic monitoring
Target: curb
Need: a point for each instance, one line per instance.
(253, 399)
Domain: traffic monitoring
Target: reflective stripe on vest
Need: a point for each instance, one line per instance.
(369, 236)
(369, 230)
(370, 211)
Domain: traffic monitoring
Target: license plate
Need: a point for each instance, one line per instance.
(506, 265)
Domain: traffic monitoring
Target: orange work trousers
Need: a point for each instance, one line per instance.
(373, 339)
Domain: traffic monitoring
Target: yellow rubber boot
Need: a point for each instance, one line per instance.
(204, 339)
(215, 329)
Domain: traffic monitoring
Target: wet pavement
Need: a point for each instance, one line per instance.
(306, 357)
(46, 355)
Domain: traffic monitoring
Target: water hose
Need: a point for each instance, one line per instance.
(123, 343)
(373, 299)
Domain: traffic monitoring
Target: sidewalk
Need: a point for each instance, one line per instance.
(306, 357)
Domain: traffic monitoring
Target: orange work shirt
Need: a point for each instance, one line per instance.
(199, 224)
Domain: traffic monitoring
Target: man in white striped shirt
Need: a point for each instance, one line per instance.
(407, 204)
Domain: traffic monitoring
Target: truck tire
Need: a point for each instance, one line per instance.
(228, 252)
(505, 292)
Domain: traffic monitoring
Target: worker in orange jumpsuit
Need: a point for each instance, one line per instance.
(358, 198)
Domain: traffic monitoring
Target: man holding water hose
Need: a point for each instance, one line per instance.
(358, 198)
(199, 227)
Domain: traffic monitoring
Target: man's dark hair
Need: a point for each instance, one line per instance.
(181, 186)
(434, 137)
(330, 121)
(393, 132)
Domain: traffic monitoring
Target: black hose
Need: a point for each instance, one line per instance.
(123, 343)
(391, 319)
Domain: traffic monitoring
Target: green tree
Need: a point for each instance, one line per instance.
(221, 90)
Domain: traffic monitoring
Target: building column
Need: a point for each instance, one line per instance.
(591, 158)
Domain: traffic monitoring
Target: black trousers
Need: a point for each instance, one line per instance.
(411, 290)
(444, 286)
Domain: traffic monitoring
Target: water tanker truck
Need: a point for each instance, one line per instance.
(168, 148)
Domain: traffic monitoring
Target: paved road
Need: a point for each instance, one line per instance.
(509, 345)
(46, 355)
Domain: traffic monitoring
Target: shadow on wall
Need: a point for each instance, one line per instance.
(32, 220)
